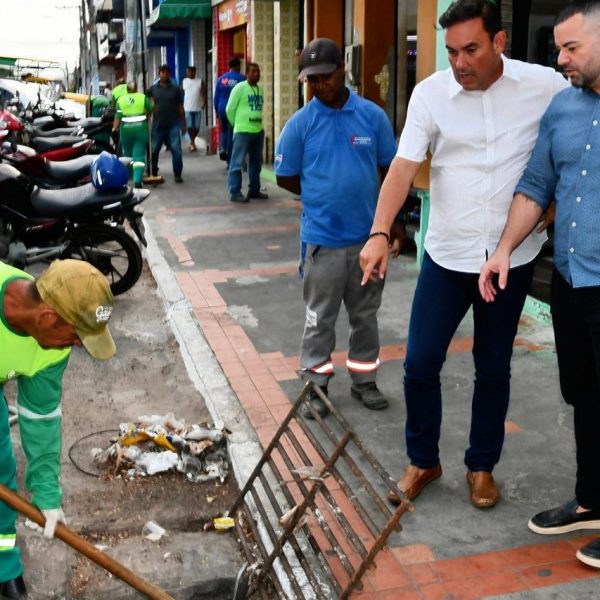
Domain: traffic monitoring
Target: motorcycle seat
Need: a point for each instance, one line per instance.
(76, 168)
(38, 132)
(42, 144)
(45, 120)
(87, 122)
(73, 201)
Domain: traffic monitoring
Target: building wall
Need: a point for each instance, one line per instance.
(260, 50)
(285, 80)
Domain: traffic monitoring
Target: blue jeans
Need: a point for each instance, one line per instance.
(225, 135)
(442, 298)
(171, 137)
(252, 145)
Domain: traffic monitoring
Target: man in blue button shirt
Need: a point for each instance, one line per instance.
(565, 165)
(333, 153)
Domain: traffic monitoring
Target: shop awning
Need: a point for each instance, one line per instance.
(4, 60)
(174, 13)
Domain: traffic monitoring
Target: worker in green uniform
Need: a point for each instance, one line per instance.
(40, 320)
(98, 106)
(118, 91)
(131, 119)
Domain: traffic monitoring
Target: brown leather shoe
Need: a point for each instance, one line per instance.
(483, 490)
(413, 482)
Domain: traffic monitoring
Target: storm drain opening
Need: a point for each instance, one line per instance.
(309, 519)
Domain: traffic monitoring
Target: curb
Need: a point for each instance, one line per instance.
(207, 376)
(202, 366)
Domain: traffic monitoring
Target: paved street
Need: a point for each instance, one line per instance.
(237, 266)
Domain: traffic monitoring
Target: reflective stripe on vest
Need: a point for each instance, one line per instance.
(137, 119)
(25, 412)
(362, 367)
(7, 541)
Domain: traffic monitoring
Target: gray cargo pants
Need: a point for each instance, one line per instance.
(333, 275)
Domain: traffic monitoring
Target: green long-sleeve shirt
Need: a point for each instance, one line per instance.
(39, 374)
(245, 108)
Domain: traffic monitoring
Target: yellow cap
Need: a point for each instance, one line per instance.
(81, 295)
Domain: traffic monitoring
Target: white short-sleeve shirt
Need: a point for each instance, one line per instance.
(480, 143)
(192, 100)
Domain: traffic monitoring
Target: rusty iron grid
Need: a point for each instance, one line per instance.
(313, 469)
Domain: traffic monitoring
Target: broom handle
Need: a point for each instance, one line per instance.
(83, 546)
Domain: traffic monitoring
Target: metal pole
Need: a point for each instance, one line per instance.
(144, 44)
(83, 546)
(144, 51)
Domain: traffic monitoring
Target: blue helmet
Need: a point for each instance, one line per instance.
(107, 172)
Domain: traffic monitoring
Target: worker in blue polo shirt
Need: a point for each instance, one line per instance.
(334, 153)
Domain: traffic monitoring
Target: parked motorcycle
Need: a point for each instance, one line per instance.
(53, 132)
(38, 225)
(46, 173)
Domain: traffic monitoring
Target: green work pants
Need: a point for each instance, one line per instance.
(10, 555)
(134, 141)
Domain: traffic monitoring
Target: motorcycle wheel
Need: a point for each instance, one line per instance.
(112, 251)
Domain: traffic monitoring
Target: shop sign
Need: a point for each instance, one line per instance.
(233, 13)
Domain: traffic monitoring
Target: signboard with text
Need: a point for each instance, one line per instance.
(233, 13)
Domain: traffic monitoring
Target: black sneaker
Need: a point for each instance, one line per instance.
(315, 401)
(590, 554)
(564, 519)
(238, 198)
(178, 179)
(13, 588)
(257, 196)
(370, 395)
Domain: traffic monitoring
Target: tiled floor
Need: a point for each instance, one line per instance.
(405, 572)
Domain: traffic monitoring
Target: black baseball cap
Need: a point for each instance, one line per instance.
(319, 57)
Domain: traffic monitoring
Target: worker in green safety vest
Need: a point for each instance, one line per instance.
(40, 320)
(131, 119)
(119, 91)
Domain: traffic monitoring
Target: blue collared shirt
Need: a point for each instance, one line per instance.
(565, 165)
(336, 152)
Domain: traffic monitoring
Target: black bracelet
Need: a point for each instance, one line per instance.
(383, 233)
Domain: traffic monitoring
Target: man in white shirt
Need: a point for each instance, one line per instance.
(479, 119)
(194, 101)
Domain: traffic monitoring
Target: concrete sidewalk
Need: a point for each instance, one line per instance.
(236, 266)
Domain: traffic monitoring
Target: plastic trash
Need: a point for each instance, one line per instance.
(157, 462)
(153, 531)
(158, 443)
(197, 434)
(190, 464)
(220, 524)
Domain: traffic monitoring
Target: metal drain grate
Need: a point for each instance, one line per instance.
(341, 520)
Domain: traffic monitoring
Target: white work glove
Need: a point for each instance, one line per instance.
(53, 517)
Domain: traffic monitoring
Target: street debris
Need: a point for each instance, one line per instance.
(286, 518)
(160, 443)
(153, 531)
(220, 524)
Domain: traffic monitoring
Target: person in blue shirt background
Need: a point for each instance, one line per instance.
(223, 88)
(334, 152)
(565, 165)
